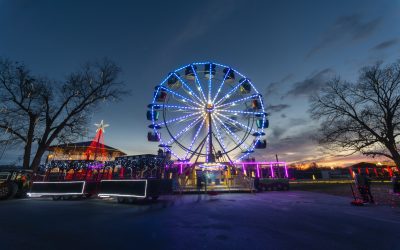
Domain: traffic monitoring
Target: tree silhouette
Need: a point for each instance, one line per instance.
(363, 116)
(38, 110)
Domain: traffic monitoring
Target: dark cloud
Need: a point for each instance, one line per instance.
(386, 44)
(298, 121)
(273, 87)
(277, 108)
(311, 84)
(203, 20)
(283, 115)
(353, 27)
(277, 132)
(287, 77)
(294, 146)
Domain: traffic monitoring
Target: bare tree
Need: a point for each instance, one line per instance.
(363, 116)
(37, 110)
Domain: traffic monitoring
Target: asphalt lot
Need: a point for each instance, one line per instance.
(272, 220)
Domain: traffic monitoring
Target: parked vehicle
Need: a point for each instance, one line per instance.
(14, 183)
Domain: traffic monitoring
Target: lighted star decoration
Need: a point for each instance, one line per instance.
(101, 126)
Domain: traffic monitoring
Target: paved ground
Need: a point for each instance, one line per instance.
(273, 220)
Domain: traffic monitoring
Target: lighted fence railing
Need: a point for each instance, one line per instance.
(259, 165)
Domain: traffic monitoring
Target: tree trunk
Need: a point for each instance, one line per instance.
(28, 144)
(391, 146)
(38, 157)
(396, 158)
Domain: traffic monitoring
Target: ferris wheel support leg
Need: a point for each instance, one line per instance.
(200, 145)
(230, 161)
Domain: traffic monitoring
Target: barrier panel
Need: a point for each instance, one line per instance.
(57, 188)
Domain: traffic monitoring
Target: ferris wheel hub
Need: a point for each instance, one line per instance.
(209, 107)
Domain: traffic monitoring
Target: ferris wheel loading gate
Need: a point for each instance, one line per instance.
(237, 177)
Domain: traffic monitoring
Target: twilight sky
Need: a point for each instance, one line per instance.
(287, 48)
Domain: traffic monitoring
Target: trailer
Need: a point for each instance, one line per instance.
(63, 189)
(272, 184)
(128, 190)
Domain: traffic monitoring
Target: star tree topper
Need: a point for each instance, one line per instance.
(101, 126)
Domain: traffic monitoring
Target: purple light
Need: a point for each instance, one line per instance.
(270, 163)
(272, 170)
(182, 163)
(258, 171)
(96, 166)
(286, 171)
(262, 162)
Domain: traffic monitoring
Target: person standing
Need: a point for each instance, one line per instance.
(395, 184)
(368, 194)
(359, 181)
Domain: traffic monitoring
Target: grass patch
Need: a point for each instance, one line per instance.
(380, 191)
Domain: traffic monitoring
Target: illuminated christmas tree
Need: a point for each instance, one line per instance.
(96, 150)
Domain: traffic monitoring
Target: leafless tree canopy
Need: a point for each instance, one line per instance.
(362, 116)
(38, 110)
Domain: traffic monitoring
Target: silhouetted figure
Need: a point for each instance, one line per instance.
(368, 189)
(395, 184)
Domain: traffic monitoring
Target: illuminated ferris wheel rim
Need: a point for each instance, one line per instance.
(207, 107)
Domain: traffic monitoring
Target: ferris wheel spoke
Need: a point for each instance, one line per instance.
(181, 96)
(173, 153)
(239, 112)
(177, 136)
(229, 132)
(199, 87)
(219, 139)
(231, 91)
(207, 147)
(178, 119)
(239, 100)
(209, 84)
(195, 136)
(237, 122)
(191, 92)
(179, 107)
(220, 86)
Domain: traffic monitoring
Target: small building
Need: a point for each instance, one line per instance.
(83, 151)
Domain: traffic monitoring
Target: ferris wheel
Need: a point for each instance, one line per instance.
(207, 112)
